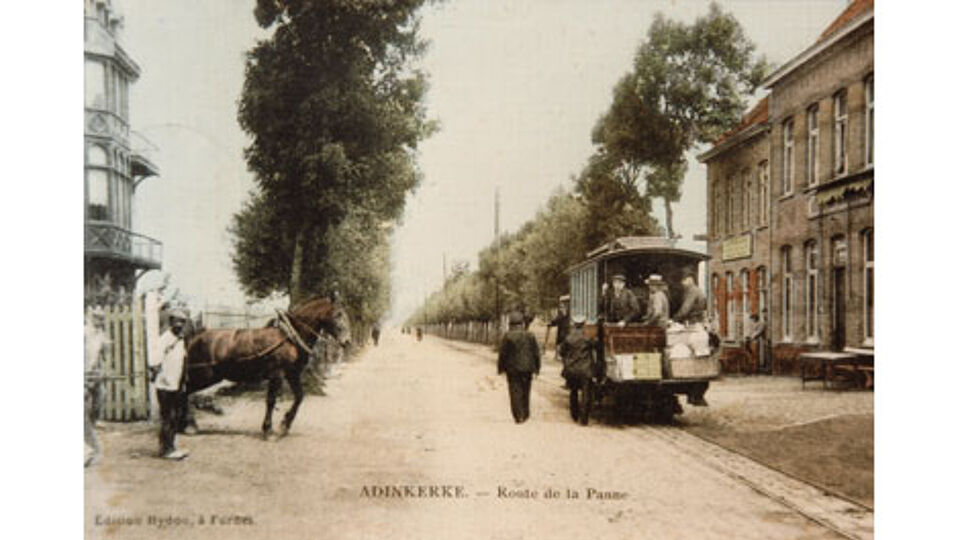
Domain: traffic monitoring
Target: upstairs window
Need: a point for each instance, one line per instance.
(840, 133)
(813, 145)
(746, 189)
(786, 186)
(763, 191)
(731, 212)
(94, 79)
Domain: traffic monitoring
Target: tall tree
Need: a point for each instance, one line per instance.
(688, 85)
(335, 113)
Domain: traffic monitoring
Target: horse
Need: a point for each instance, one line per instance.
(272, 353)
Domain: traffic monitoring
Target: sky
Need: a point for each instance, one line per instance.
(516, 86)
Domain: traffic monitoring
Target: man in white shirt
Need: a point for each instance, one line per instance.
(167, 372)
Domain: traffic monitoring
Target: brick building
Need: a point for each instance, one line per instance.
(790, 211)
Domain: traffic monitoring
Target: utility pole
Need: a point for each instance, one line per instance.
(496, 235)
(444, 267)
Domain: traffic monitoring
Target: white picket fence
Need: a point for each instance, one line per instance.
(124, 363)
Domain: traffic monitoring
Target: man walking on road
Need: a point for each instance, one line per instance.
(519, 358)
(168, 377)
(577, 353)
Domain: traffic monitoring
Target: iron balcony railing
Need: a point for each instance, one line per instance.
(106, 239)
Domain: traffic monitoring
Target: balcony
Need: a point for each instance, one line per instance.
(105, 239)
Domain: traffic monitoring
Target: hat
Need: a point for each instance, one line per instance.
(177, 313)
(565, 298)
(621, 277)
(579, 319)
(655, 279)
(515, 317)
(689, 274)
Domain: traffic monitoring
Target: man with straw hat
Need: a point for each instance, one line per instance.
(658, 309)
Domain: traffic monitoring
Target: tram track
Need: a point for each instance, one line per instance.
(839, 514)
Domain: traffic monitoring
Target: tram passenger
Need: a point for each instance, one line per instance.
(694, 306)
(658, 309)
(621, 305)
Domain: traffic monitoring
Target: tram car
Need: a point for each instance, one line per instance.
(641, 369)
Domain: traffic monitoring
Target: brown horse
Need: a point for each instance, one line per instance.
(250, 355)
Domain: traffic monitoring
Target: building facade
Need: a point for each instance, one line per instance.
(801, 255)
(115, 162)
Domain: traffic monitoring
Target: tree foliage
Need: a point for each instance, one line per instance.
(335, 113)
(687, 86)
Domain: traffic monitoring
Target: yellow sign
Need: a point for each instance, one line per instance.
(737, 248)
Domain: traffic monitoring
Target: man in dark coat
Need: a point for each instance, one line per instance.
(621, 304)
(577, 352)
(561, 321)
(519, 358)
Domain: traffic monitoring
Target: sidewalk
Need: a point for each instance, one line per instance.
(822, 436)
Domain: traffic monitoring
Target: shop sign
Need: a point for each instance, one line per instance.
(737, 248)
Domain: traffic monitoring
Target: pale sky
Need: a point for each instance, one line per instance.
(516, 85)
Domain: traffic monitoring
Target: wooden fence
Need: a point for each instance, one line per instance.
(124, 363)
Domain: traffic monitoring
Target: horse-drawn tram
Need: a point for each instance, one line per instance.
(641, 367)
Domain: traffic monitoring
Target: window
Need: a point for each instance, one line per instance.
(762, 292)
(717, 204)
(786, 288)
(868, 286)
(786, 186)
(730, 203)
(715, 305)
(744, 299)
(731, 308)
(813, 145)
(94, 91)
(746, 189)
(840, 132)
(763, 191)
(868, 119)
(98, 183)
(811, 320)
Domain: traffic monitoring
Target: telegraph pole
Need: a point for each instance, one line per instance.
(496, 235)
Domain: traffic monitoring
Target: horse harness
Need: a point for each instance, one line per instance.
(288, 329)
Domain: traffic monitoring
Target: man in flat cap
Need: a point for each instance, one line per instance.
(658, 309)
(694, 306)
(519, 358)
(622, 304)
(578, 353)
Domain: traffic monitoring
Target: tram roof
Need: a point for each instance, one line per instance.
(638, 245)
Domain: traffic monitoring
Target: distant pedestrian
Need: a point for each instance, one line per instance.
(756, 341)
(168, 371)
(519, 358)
(561, 321)
(375, 334)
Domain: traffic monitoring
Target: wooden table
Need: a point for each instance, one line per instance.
(828, 361)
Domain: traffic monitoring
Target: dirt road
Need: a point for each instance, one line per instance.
(415, 440)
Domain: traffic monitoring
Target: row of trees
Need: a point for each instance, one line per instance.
(687, 86)
(334, 107)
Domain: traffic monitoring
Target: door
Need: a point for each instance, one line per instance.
(839, 308)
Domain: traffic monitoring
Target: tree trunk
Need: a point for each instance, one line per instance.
(669, 217)
(296, 268)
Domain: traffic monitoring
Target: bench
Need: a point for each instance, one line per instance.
(864, 364)
(828, 362)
